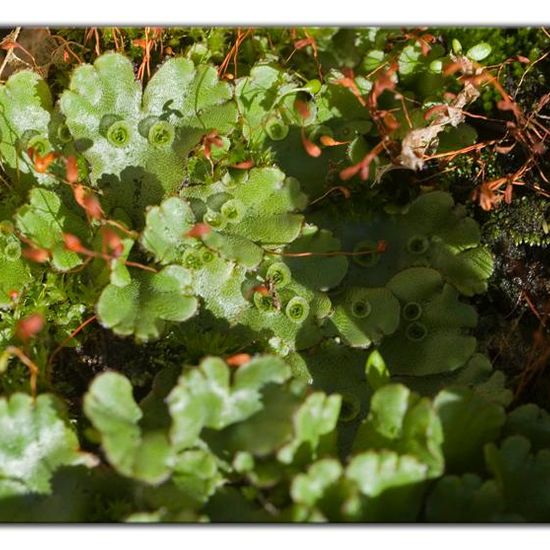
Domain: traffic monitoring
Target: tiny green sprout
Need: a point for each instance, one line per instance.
(416, 331)
(276, 129)
(192, 259)
(366, 254)
(350, 408)
(479, 51)
(361, 308)
(436, 66)
(456, 46)
(279, 274)
(233, 211)
(313, 86)
(418, 244)
(297, 309)
(412, 311)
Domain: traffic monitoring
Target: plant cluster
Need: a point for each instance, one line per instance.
(308, 332)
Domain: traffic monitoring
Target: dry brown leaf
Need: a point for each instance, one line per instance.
(416, 142)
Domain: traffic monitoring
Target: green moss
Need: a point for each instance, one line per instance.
(523, 222)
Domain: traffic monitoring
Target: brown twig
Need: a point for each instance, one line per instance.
(65, 342)
(326, 254)
(34, 370)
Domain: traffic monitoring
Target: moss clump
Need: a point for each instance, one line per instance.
(526, 221)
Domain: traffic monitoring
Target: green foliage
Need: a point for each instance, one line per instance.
(366, 315)
(316, 272)
(376, 473)
(121, 128)
(115, 415)
(165, 229)
(521, 477)
(431, 335)
(401, 421)
(44, 220)
(374, 487)
(532, 422)
(205, 398)
(464, 499)
(479, 51)
(259, 205)
(315, 418)
(14, 273)
(468, 422)
(309, 487)
(245, 325)
(522, 223)
(146, 302)
(376, 371)
(25, 117)
(36, 440)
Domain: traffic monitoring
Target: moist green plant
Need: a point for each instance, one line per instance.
(292, 309)
(36, 441)
(523, 223)
(26, 92)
